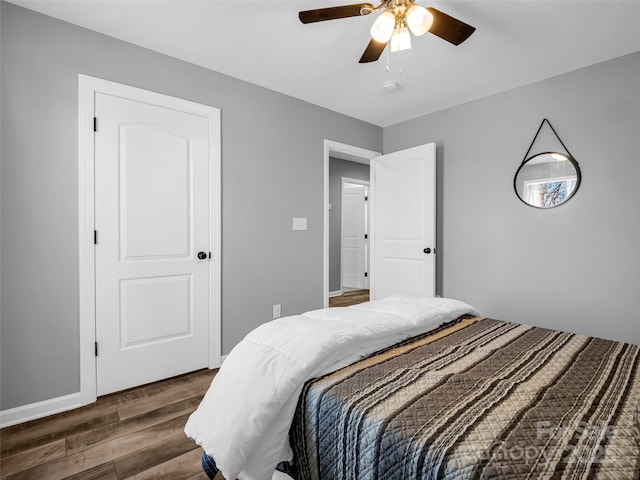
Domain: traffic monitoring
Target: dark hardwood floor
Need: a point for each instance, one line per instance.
(349, 298)
(136, 434)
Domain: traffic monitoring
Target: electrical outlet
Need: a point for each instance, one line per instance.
(276, 311)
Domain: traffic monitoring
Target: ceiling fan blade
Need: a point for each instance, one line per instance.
(373, 51)
(448, 28)
(333, 13)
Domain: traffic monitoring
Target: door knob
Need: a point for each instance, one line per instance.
(202, 255)
(427, 250)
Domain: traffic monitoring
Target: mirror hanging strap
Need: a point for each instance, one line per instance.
(526, 155)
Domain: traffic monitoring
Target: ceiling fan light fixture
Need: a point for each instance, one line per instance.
(393, 25)
(401, 39)
(419, 19)
(382, 28)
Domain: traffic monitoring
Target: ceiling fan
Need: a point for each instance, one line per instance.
(394, 23)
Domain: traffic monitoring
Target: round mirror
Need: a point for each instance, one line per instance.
(547, 179)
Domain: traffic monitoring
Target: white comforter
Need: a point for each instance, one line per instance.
(244, 419)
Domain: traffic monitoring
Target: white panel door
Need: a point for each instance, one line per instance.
(403, 198)
(353, 228)
(152, 219)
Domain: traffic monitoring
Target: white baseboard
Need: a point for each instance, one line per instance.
(33, 411)
(337, 293)
(41, 409)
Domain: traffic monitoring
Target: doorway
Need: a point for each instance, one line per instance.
(350, 153)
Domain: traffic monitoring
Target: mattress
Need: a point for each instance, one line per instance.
(244, 418)
(477, 398)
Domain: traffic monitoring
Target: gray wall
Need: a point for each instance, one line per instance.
(339, 168)
(574, 267)
(272, 170)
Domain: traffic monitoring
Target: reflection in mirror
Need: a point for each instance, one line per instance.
(547, 179)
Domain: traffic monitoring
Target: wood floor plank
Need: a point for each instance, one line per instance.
(145, 391)
(102, 452)
(185, 467)
(144, 405)
(34, 456)
(203, 379)
(154, 417)
(105, 471)
(44, 431)
(150, 457)
(57, 421)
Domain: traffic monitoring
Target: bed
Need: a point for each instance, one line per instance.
(421, 388)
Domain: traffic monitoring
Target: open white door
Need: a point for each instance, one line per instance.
(403, 206)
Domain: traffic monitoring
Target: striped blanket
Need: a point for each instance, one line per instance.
(478, 398)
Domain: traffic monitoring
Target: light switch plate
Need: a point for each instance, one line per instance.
(299, 223)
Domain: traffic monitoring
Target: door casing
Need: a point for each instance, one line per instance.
(87, 89)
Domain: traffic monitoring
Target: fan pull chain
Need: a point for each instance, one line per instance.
(388, 66)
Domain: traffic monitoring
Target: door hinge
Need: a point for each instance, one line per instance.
(366, 198)
(366, 236)
(95, 237)
(95, 124)
(366, 274)
(96, 348)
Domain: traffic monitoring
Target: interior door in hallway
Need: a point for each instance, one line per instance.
(152, 220)
(354, 234)
(403, 223)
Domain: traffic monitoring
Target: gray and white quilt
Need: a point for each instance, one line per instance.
(478, 398)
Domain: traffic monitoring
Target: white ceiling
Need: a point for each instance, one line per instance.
(516, 42)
